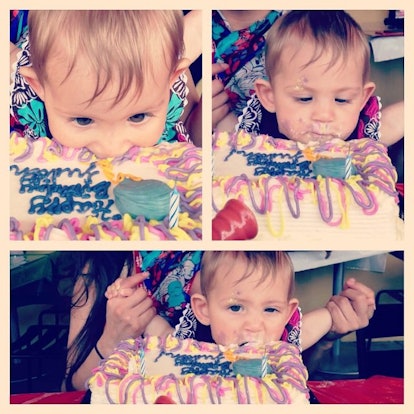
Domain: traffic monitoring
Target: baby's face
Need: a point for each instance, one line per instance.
(106, 129)
(248, 311)
(318, 102)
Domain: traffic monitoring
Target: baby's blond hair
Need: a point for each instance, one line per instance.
(271, 263)
(332, 31)
(126, 45)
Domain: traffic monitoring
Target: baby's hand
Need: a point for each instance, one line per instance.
(124, 286)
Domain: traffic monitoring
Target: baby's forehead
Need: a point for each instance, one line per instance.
(62, 68)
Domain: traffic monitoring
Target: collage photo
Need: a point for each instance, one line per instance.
(206, 205)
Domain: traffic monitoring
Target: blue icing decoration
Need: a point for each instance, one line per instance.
(249, 367)
(148, 198)
(200, 365)
(51, 194)
(331, 167)
(275, 164)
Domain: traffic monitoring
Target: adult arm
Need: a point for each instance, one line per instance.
(125, 317)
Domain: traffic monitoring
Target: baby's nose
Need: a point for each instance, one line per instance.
(323, 112)
(110, 147)
(253, 323)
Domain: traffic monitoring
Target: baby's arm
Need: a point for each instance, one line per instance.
(158, 327)
(392, 123)
(315, 325)
(350, 310)
(228, 123)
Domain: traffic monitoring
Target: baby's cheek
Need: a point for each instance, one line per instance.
(225, 337)
(293, 129)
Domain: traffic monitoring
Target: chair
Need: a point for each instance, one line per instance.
(388, 321)
(38, 357)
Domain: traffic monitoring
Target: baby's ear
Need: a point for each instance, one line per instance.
(32, 79)
(200, 308)
(368, 90)
(292, 306)
(264, 92)
(182, 66)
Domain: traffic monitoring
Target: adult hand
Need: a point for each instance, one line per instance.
(220, 106)
(351, 309)
(128, 313)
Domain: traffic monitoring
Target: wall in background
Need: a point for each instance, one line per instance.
(388, 75)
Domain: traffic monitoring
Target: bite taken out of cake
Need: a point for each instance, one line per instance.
(336, 190)
(186, 371)
(60, 193)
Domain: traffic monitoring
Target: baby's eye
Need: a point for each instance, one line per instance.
(342, 101)
(271, 310)
(138, 118)
(235, 308)
(304, 99)
(83, 121)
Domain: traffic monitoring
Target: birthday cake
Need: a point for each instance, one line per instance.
(186, 371)
(318, 191)
(60, 193)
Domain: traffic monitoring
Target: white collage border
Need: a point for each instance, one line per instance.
(206, 244)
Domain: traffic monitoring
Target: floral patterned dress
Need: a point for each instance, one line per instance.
(27, 112)
(243, 50)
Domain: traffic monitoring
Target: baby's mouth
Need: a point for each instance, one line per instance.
(321, 137)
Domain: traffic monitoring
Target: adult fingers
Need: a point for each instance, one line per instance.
(125, 318)
(134, 280)
(348, 316)
(341, 324)
(217, 90)
(362, 305)
(216, 68)
(361, 287)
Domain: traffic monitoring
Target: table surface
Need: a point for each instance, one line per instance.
(375, 390)
(305, 260)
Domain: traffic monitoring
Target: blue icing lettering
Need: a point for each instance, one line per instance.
(53, 196)
(275, 164)
(43, 204)
(200, 365)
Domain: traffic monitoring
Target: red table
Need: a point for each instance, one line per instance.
(375, 390)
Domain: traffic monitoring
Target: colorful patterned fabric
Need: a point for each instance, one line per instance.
(243, 50)
(27, 112)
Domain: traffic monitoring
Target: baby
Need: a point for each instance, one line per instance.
(318, 68)
(246, 296)
(105, 78)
